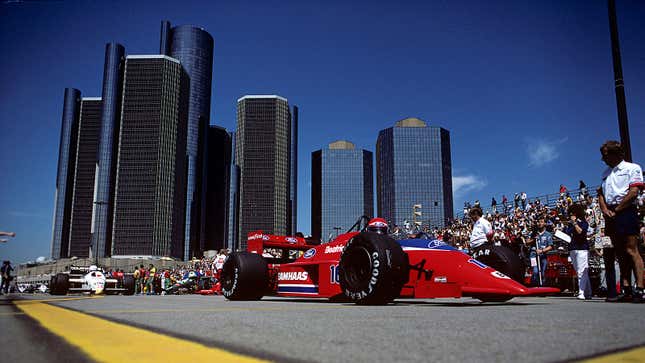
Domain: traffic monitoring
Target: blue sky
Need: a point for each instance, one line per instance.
(525, 87)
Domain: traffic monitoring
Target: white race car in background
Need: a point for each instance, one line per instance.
(91, 280)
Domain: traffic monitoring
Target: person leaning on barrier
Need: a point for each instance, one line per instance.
(621, 183)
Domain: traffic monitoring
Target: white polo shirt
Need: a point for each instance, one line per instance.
(617, 181)
(478, 235)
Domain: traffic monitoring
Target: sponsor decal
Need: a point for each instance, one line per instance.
(335, 249)
(441, 279)
(265, 238)
(293, 275)
(291, 240)
(309, 253)
(229, 292)
(499, 275)
(477, 263)
(255, 236)
(436, 243)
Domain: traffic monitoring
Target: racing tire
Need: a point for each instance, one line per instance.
(128, 285)
(372, 269)
(52, 285)
(62, 284)
(245, 276)
(501, 259)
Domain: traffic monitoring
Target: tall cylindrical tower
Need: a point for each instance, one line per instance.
(65, 177)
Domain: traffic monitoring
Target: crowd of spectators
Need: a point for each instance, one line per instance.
(150, 280)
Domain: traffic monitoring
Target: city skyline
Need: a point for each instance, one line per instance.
(553, 74)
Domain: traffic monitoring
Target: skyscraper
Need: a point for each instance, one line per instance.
(263, 154)
(84, 176)
(108, 141)
(413, 167)
(150, 179)
(217, 190)
(342, 188)
(65, 176)
(293, 173)
(233, 198)
(193, 47)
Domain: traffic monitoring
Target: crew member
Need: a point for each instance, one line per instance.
(482, 230)
(617, 197)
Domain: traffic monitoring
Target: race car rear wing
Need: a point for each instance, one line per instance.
(276, 249)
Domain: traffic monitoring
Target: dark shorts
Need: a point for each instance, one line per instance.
(625, 223)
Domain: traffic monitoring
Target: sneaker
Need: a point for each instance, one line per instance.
(581, 297)
(638, 296)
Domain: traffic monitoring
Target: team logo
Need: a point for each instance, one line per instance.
(335, 249)
(291, 240)
(309, 253)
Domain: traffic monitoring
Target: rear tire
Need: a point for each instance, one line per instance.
(501, 259)
(52, 285)
(245, 276)
(62, 284)
(128, 285)
(372, 269)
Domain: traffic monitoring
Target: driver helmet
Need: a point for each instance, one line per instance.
(93, 268)
(377, 225)
(192, 275)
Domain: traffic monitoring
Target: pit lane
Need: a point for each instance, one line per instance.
(446, 330)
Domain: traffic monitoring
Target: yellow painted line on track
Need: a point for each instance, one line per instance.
(210, 310)
(107, 341)
(631, 356)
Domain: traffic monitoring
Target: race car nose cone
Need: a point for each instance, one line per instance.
(98, 291)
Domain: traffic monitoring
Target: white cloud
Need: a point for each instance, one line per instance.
(467, 183)
(25, 214)
(542, 152)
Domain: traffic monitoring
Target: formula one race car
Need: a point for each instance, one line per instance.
(363, 267)
(92, 280)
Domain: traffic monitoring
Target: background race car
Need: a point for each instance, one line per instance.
(89, 280)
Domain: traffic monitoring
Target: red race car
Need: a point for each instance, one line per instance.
(364, 267)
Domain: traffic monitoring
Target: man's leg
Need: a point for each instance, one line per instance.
(631, 249)
(609, 257)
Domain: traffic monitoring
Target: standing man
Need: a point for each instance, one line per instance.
(621, 183)
(523, 197)
(493, 205)
(482, 231)
(6, 276)
(504, 202)
(543, 244)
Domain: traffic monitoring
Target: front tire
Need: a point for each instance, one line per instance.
(128, 284)
(372, 269)
(61, 284)
(245, 276)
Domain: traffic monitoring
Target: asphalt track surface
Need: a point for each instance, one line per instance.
(549, 329)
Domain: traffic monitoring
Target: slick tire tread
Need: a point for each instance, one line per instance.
(128, 284)
(244, 276)
(62, 284)
(372, 269)
(505, 261)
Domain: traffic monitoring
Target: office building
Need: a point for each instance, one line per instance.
(233, 199)
(108, 140)
(65, 175)
(341, 188)
(263, 154)
(193, 47)
(150, 178)
(89, 129)
(217, 190)
(413, 167)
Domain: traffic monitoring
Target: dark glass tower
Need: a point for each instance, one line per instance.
(293, 191)
(193, 47)
(233, 198)
(263, 154)
(150, 181)
(217, 196)
(108, 141)
(413, 166)
(342, 188)
(65, 176)
(84, 177)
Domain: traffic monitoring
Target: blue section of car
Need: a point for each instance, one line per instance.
(309, 253)
(302, 289)
(424, 243)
